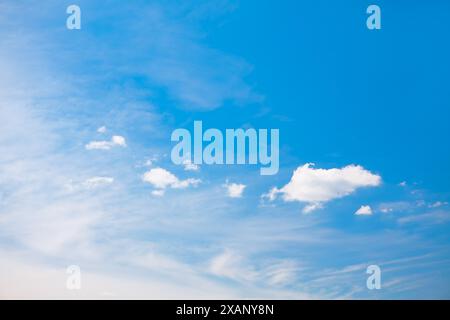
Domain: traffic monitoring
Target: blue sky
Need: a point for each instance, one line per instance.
(86, 177)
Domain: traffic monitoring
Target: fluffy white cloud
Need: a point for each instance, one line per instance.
(316, 186)
(364, 210)
(106, 145)
(235, 190)
(118, 141)
(161, 179)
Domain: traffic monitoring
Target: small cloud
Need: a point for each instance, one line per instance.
(364, 210)
(119, 141)
(437, 204)
(158, 193)
(90, 184)
(98, 145)
(312, 207)
(148, 162)
(235, 190)
(402, 184)
(162, 179)
(189, 166)
(101, 129)
(271, 195)
(106, 145)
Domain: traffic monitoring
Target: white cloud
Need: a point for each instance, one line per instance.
(98, 145)
(158, 193)
(402, 184)
(316, 186)
(119, 141)
(364, 210)
(161, 179)
(437, 204)
(235, 190)
(271, 195)
(106, 145)
(189, 166)
(101, 129)
(312, 207)
(148, 162)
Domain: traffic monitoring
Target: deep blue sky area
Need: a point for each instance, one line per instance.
(379, 97)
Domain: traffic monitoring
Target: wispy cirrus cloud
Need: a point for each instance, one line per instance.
(128, 244)
(428, 218)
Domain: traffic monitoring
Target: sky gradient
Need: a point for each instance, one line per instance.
(86, 177)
